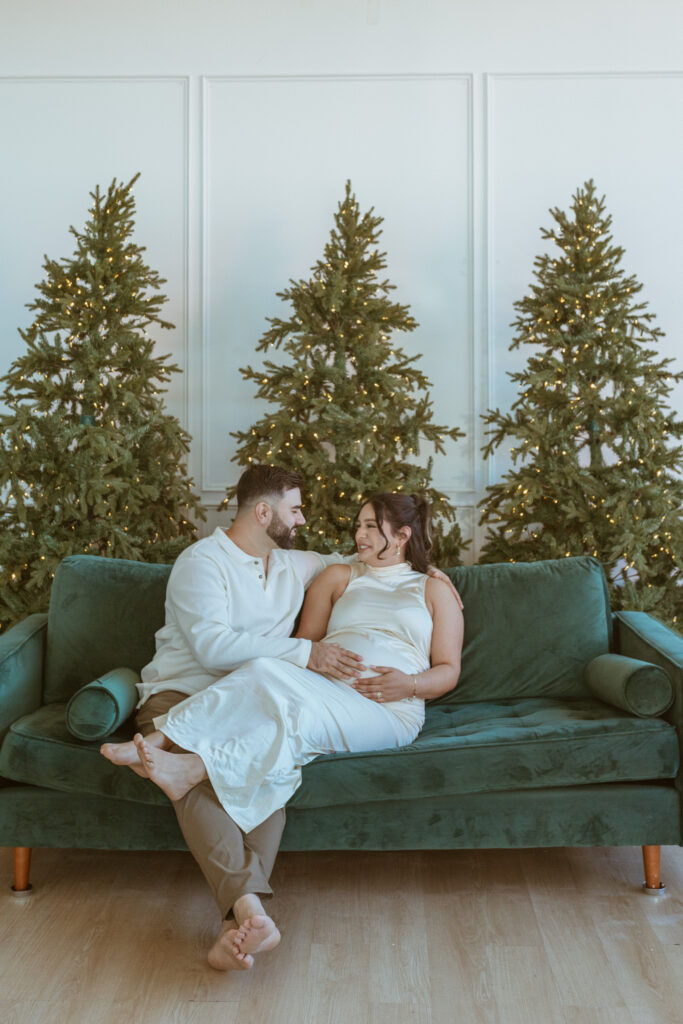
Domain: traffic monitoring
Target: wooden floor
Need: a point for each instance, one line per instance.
(501, 937)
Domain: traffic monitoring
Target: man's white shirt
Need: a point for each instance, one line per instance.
(222, 610)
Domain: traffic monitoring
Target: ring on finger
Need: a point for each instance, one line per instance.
(379, 695)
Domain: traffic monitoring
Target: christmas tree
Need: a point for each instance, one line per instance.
(596, 463)
(89, 461)
(352, 407)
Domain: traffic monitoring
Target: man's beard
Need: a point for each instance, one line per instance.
(282, 535)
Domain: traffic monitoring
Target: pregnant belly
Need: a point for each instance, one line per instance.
(378, 648)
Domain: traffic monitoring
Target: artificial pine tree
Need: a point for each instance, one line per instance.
(596, 463)
(89, 461)
(352, 407)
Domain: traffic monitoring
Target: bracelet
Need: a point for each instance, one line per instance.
(415, 679)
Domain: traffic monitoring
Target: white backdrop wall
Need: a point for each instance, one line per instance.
(460, 123)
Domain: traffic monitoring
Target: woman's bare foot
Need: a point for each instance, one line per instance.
(257, 933)
(127, 753)
(175, 774)
(225, 954)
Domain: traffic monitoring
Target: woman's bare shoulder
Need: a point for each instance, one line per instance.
(336, 574)
(440, 593)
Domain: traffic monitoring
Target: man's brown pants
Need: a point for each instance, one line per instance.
(232, 861)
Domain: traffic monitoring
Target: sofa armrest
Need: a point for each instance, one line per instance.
(22, 652)
(639, 635)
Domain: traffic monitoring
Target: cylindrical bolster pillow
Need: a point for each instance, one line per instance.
(98, 709)
(636, 686)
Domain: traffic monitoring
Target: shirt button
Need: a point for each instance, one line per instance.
(260, 576)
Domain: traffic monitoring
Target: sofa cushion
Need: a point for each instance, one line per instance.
(500, 745)
(100, 708)
(637, 686)
(486, 746)
(104, 612)
(530, 628)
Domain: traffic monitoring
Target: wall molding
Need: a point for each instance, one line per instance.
(183, 81)
(490, 80)
(484, 92)
(213, 488)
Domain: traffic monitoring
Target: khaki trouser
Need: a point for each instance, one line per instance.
(232, 861)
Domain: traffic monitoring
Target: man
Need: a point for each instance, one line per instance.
(232, 597)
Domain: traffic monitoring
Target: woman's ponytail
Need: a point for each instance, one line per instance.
(424, 514)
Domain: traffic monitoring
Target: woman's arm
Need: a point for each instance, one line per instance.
(446, 646)
(325, 589)
(328, 659)
(447, 636)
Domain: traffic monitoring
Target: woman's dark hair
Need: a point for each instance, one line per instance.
(406, 510)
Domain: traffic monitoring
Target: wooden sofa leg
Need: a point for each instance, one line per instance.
(22, 868)
(651, 861)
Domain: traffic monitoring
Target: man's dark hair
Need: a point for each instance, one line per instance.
(260, 482)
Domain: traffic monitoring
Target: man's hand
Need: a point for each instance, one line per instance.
(438, 575)
(333, 660)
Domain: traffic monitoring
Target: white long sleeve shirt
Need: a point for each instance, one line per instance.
(222, 609)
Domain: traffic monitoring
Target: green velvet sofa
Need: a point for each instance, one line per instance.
(521, 754)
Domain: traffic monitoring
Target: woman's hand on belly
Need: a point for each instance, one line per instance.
(389, 684)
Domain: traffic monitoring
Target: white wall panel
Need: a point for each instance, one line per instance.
(63, 136)
(246, 119)
(277, 154)
(548, 134)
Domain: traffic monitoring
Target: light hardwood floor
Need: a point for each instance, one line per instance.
(557, 936)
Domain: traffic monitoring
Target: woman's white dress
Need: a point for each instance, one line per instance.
(255, 728)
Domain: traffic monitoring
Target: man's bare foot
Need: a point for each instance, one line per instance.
(127, 753)
(225, 954)
(174, 774)
(120, 753)
(256, 932)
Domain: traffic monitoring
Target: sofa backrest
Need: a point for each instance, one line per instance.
(530, 628)
(103, 614)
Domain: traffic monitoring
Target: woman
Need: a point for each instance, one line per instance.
(252, 731)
